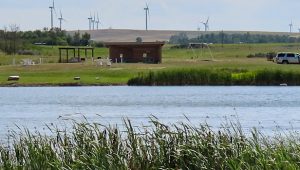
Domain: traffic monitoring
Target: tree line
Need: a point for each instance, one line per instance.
(12, 39)
(225, 38)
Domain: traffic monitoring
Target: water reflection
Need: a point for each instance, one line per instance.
(266, 107)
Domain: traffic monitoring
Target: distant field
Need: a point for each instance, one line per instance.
(123, 35)
(231, 56)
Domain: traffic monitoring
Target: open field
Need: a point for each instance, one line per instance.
(231, 56)
(127, 35)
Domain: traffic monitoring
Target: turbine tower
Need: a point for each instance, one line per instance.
(51, 10)
(94, 21)
(90, 22)
(206, 26)
(60, 20)
(147, 15)
(291, 26)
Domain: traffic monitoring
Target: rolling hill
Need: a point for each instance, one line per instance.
(128, 35)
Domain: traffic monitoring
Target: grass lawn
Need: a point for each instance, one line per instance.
(231, 56)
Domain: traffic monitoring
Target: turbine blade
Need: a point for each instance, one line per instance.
(55, 13)
(148, 10)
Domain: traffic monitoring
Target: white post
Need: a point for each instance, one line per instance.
(14, 61)
(121, 56)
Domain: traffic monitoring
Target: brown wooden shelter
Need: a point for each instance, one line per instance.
(74, 50)
(134, 52)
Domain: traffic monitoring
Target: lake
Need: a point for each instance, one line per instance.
(264, 107)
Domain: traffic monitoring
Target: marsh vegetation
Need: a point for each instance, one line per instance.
(158, 146)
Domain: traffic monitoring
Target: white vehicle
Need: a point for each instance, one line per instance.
(287, 58)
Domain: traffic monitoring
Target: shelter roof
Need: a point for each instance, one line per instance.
(133, 43)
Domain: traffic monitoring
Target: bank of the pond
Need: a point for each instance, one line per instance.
(265, 77)
(16, 84)
(161, 146)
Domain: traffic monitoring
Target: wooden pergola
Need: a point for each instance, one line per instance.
(74, 49)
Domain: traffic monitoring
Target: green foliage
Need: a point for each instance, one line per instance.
(10, 40)
(158, 146)
(97, 44)
(181, 39)
(47, 37)
(235, 38)
(85, 38)
(13, 40)
(216, 77)
(79, 40)
(183, 77)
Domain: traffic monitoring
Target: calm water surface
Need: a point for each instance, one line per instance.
(267, 107)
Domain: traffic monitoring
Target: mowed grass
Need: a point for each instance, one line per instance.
(229, 56)
(63, 74)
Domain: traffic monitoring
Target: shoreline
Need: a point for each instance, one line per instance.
(123, 84)
(60, 85)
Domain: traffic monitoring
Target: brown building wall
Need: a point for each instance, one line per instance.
(135, 53)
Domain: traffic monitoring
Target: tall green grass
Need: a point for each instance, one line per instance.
(160, 146)
(216, 77)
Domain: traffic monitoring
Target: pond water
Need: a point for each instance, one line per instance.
(265, 107)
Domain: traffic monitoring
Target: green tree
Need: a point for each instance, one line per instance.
(85, 39)
(76, 39)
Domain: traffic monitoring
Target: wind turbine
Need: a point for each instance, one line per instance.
(97, 21)
(291, 26)
(51, 9)
(94, 21)
(90, 21)
(147, 14)
(60, 20)
(206, 24)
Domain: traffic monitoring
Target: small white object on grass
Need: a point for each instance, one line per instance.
(13, 78)
(77, 78)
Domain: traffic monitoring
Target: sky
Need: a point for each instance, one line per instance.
(228, 15)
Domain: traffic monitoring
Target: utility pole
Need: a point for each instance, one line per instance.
(222, 39)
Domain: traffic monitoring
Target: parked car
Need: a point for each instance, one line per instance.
(287, 58)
